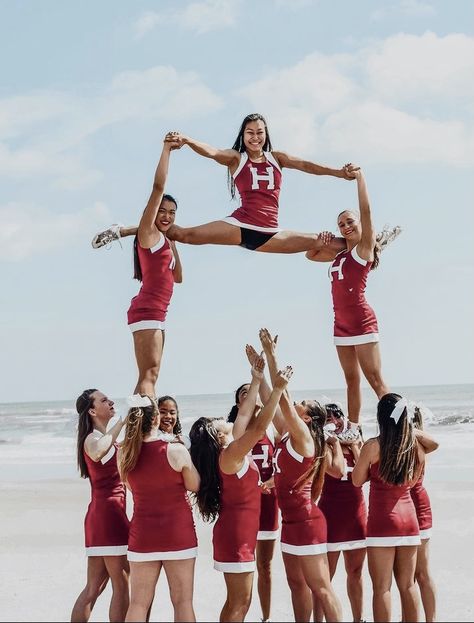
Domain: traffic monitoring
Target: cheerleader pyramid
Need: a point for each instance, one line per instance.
(273, 469)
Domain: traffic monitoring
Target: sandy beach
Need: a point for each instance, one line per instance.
(43, 563)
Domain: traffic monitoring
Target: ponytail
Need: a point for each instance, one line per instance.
(317, 469)
(139, 424)
(84, 428)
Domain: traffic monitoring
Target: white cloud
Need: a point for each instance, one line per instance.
(43, 133)
(408, 8)
(198, 17)
(391, 101)
(26, 229)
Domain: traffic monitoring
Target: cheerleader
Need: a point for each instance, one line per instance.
(106, 523)
(301, 459)
(343, 506)
(162, 532)
(392, 462)
(229, 489)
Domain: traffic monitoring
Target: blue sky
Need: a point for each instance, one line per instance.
(88, 91)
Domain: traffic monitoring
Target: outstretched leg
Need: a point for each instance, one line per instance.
(216, 232)
(296, 242)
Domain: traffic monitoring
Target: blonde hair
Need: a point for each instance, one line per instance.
(139, 423)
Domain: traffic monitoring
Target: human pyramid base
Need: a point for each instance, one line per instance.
(273, 469)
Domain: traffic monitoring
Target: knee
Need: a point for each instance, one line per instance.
(422, 577)
(354, 571)
(352, 379)
(297, 585)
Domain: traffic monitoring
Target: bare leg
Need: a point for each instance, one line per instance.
(97, 578)
(350, 366)
(239, 596)
(404, 571)
(143, 579)
(425, 581)
(300, 593)
(264, 553)
(354, 561)
(216, 232)
(180, 575)
(316, 573)
(131, 230)
(118, 570)
(148, 352)
(381, 561)
(371, 364)
(296, 242)
(318, 614)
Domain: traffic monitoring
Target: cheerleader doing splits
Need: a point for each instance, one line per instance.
(106, 522)
(356, 333)
(301, 459)
(229, 489)
(162, 533)
(393, 462)
(256, 171)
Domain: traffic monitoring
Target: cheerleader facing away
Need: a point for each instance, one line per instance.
(106, 523)
(230, 489)
(162, 533)
(393, 462)
(301, 459)
(344, 508)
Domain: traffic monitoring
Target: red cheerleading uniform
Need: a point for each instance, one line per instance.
(162, 526)
(354, 320)
(259, 185)
(422, 503)
(106, 522)
(148, 308)
(392, 517)
(234, 537)
(262, 454)
(303, 526)
(344, 507)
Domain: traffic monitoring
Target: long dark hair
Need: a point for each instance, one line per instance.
(239, 144)
(399, 461)
(235, 409)
(137, 269)
(84, 427)
(139, 424)
(315, 473)
(177, 428)
(205, 450)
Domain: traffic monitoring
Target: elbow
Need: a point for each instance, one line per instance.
(357, 482)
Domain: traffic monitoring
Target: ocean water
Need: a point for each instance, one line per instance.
(37, 439)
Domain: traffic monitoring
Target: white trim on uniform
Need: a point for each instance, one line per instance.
(180, 554)
(353, 340)
(271, 158)
(292, 452)
(147, 324)
(304, 550)
(344, 546)
(357, 257)
(392, 541)
(243, 159)
(231, 220)
(425, 534)
(159, 244)
(107, 550)
(267, 535)
(108, 455)
(234, 567)
(244, 469)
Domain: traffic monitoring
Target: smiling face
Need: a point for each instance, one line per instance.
(168, 415)
(166, 215)
(349, 226)
(255, 137)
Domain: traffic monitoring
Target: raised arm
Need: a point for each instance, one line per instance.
(148, 232)
(307, 166)
(247, 408)
(227, 157)
(178, 267)
(365, 248)
(97, 447)
(427, 442)
(233, 456)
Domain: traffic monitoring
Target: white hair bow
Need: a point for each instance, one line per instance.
(328, 429)
(400, 406)
(138, 401)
